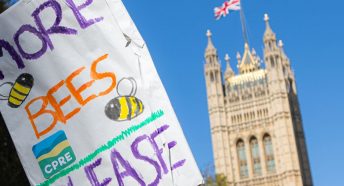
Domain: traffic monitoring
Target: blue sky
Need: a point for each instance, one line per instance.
(9, 2)
(313, 35)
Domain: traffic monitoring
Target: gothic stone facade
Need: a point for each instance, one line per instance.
(255, 119)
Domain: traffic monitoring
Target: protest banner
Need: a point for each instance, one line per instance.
(82, 99)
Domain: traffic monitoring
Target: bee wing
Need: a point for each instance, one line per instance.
(134, 84)
(3, 97)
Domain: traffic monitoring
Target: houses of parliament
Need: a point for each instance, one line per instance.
(255, 120)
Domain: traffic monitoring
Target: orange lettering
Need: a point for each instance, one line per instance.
(42, 111)
(58, 114)
(57, 106)
(77, 92)
(96, 75)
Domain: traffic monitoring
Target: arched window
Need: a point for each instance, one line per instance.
(211, 77)
(291, 85)
(272, 60)
(285, 71)
(257, 167)
(242, 159)
(269, 153)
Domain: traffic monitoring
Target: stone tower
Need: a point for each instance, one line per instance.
(255, 118)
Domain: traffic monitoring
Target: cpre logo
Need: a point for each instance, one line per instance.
(54, 154)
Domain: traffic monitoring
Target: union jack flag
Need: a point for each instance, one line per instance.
(226, 6)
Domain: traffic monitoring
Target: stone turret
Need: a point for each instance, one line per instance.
(216, 106)
(210, 52)
(229, 71)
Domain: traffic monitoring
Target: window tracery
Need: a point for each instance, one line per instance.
(257, 168)
(269, 154)
(242, 159)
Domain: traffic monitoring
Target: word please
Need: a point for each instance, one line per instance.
(123, 136)
(42, 33)
(57, 113)
(123, 169)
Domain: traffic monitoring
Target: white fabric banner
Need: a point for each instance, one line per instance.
(82, 99)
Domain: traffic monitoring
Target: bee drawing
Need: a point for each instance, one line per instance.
(126, 106)
(20, 90)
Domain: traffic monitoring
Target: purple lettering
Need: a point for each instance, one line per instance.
(13, 53)
(134, 149)
(178, 164)
(81, 19)
(70, 183)
(129, 171)
(34, 31)
(171, 144)
(156, 148)
(91, 175)
(56, 28)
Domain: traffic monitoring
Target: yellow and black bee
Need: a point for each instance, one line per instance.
(124, 108)
(20, 90)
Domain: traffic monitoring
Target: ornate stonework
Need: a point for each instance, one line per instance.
(255, 119)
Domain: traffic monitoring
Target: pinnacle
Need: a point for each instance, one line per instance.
(210, 47)
(247, 47)
(209, 33)
(210, 42)
(254, 53)
(229, 71)
(280, 43)
(266, 17)
(210, 51)
(249, 61)
(227, 58)
(238, 56)
(269, 34)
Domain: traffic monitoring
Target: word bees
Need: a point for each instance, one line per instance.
(56, 113)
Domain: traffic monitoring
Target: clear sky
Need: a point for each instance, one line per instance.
(313, 35)
(9, 2)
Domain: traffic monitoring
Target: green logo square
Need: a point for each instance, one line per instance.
(54, 154)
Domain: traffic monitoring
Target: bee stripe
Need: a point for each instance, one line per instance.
(141, 107)
(134, 107)
(138, 106)
(14, 101)
(124, 108)
(16, 94)
(117, 105)
(129, 106)
(21, 88)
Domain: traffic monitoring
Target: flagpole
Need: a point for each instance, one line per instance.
(243, 23)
